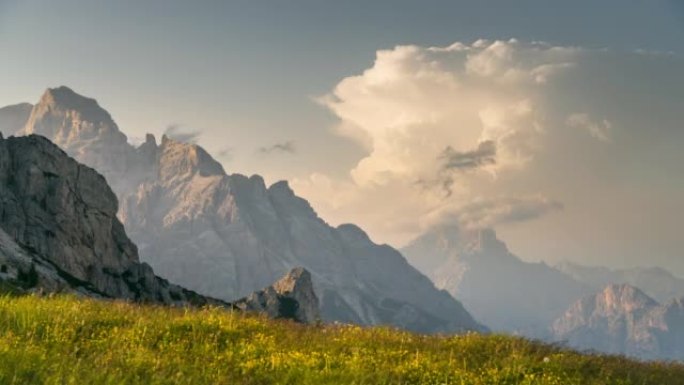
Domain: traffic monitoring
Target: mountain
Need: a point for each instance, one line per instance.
(59, 233)
(13, 118)
(658, 283)
(229, 235)
(504, 292)
(60, 230)
(623, 319)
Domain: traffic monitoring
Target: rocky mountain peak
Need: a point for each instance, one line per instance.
(292, 296)
(622, 319)
(353, 233)
(183, 159)
(150, 140)
(623, 298)
(500, 289)
(281, 188)
(82, 115)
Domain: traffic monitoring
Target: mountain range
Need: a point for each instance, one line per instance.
(504, 292)
(585, 307)
(656, 282)
(228, 235)
(623, 319)
(59, 233)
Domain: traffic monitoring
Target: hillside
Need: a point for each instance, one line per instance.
(67, 340)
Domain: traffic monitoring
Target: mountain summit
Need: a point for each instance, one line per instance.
(623, 319)
(501, 290)
(229, 235)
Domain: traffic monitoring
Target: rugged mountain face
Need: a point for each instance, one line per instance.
(60, 229)
(13, 118)
(622, 319)
(656, 282)
(59, 232)
(84, 130)
(504, 292)
(228, 235)
(292, 297)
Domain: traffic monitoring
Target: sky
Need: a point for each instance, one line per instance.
(558, 123)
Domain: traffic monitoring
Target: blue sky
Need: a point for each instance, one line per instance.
(247, 75)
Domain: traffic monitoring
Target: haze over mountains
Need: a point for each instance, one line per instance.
(623, 319)
(501, 290)
(586, 307)
(656, 282)
(229, 235)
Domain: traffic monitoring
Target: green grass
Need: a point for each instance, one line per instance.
(65, 340)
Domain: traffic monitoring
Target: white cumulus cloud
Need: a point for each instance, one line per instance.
(494, 133)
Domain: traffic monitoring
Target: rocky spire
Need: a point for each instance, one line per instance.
(292, 296)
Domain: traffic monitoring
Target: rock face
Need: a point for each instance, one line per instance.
(504, 292)
(229, 235)
(59, 233)
(656, 282)
(291, 297)
(13, 118)
(622, 319)
(60, 230)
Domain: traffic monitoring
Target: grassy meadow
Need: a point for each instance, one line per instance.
(67, 340)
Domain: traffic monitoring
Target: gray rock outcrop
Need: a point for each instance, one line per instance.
(59, 233)
(62, 215)
(291, 297)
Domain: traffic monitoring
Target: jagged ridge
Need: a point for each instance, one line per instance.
(227, 236)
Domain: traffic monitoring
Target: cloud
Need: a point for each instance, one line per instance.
(182, 134)
(284, 147)
(598, 129)
(483, 155)
(225, 153)
(483, 213)
(493, 133)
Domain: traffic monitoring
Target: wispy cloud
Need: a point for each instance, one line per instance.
(483, 213)
(484, 154)
(225, 153)
(284, 147)
(598, 129)
(182, 134)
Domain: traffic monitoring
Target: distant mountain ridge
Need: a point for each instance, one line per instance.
(656, 282)
(623, 319)
(585, 307)
(229, 235)
(499, 288)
